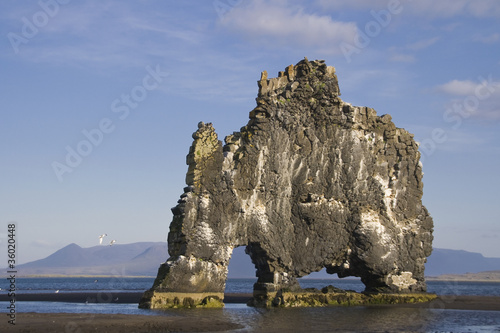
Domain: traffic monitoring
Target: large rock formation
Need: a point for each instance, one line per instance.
(310, 182)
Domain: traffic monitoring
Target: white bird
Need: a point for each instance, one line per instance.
(101, 237)
(57, 291)
(112, 242)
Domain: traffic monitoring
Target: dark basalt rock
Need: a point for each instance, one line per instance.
(310, 182)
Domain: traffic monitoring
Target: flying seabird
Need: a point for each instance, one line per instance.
(112, 242)
(101, 237)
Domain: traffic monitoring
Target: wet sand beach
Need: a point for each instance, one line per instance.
(74, 322)
(82, 322)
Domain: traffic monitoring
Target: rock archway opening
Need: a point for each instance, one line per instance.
(240, 265)
(322, 279)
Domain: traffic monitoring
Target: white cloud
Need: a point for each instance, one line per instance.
(399, 57)
(458, 87)
(491, 39)
(451, 27)
(426, 8)
(460, 141)
(422, 44)
(480, 99)
(45, 244)
(111, 34)
(484, 86)
(403, 54)
(279, 24)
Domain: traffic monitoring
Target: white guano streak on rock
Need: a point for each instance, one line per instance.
(389, 197)
(253, 207)
(370, 223)
(361, 172)
(224, 252)
(206, 234)
(228, 161)
(259, 212)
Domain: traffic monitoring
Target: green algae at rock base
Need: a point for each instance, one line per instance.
(330, 296)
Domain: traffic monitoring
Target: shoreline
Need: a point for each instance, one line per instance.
(459, 279)
(104, 297)
(178, 320)
(445, 302)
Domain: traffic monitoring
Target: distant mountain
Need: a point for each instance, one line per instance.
(443, 261)
(136, 259)
(144, 259)
(487, 276)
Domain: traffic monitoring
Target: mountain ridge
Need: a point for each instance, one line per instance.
(144, 259)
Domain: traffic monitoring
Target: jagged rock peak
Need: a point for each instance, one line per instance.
(306, 73)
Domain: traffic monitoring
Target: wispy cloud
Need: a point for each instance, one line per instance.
(422, 44)
(427, 8)
(109, 34)
(480, 99)
(458, 87)
(490, 39)
(462, 141)
(452, 140)
(491, 235)
(468, 87)
(279, 24)
(45, 244)
(407, 52)
(400, 57)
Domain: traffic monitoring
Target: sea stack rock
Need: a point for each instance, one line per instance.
(310, 182)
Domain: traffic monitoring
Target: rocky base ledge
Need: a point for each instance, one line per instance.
(171, 300)
(331, 296)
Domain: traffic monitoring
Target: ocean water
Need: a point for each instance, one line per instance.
(329, 319)
(119, 284)
(77, 284)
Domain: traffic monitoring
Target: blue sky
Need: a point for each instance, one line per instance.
(123, 84)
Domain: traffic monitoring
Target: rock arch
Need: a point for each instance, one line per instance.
(310, 182)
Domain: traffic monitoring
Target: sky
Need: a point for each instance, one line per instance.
(99, 100)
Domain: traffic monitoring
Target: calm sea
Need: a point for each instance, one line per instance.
(330, 319)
